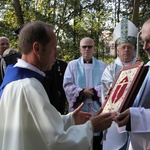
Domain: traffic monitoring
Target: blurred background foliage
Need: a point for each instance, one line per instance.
(74, 20)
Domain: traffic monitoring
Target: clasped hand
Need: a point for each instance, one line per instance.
(88, 92)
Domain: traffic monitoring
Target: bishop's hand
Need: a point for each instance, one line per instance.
(123, 118)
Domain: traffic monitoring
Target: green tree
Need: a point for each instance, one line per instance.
(73, 20)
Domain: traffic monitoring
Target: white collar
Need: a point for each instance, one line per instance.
(23, 64)
(118, 62)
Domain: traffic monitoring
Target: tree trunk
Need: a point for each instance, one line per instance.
(136, 12)
(18, 11)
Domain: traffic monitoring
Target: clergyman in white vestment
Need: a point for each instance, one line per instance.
(82, 80)
(137, 118)
(27, 119)
(125, 40)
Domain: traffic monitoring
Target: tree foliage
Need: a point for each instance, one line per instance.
(73, 20)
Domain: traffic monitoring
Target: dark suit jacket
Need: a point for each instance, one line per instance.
(54, 85)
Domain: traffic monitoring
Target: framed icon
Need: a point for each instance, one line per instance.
(124, 90)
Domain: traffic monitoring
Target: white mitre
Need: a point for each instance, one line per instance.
(125, 31)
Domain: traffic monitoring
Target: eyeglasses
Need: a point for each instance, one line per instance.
(87, 46)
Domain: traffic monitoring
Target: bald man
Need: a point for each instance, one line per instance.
(82, 82)
(4, 44)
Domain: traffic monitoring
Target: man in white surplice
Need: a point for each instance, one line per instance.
(27, 119)
(124, 35)
(137, 119)
(82, 80)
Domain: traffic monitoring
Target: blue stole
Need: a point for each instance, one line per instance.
(81, 81)
(89, 105)
(16, 73)
(143, 96)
